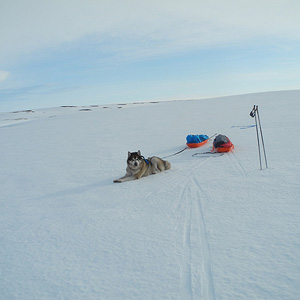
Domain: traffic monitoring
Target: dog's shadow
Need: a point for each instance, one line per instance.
(78, 190)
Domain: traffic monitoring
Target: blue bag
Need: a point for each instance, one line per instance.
(194, 139)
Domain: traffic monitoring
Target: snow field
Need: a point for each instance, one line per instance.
(209, 228)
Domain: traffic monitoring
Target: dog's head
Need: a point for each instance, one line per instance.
(134, 159)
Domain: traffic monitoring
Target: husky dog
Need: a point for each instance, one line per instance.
(138, 166)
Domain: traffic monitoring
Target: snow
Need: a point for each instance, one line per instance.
(209, 228)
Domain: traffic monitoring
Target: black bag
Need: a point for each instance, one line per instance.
(220, 140)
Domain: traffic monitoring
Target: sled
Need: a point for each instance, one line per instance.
(196, 145)
(222, 144)
(224, 148)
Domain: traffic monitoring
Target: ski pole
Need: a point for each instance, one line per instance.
(258, 141)
(262, 138)
(253, 115)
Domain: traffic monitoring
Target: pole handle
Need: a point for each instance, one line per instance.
(253, 111)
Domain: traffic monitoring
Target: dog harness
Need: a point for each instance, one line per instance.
(146, 161)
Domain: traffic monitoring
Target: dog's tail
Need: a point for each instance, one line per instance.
(167, 165)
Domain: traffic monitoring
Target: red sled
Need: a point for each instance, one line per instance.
(224, 148)
(196, 145)
(222, 144)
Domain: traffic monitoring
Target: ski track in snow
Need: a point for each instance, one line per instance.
(237, 164)
(196, 269)
(207, 279)
(196, 264)
(186, 288)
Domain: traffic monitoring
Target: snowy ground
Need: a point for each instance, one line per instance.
(209, 228)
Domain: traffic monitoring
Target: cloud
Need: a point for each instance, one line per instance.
(3, 75)
(147, 26)
(39, 89)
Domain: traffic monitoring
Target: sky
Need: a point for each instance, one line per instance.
(87, 52)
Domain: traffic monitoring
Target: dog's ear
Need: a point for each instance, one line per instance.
(129, 154)
(139, 153)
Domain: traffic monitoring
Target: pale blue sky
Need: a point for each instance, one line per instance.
(85, 52)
